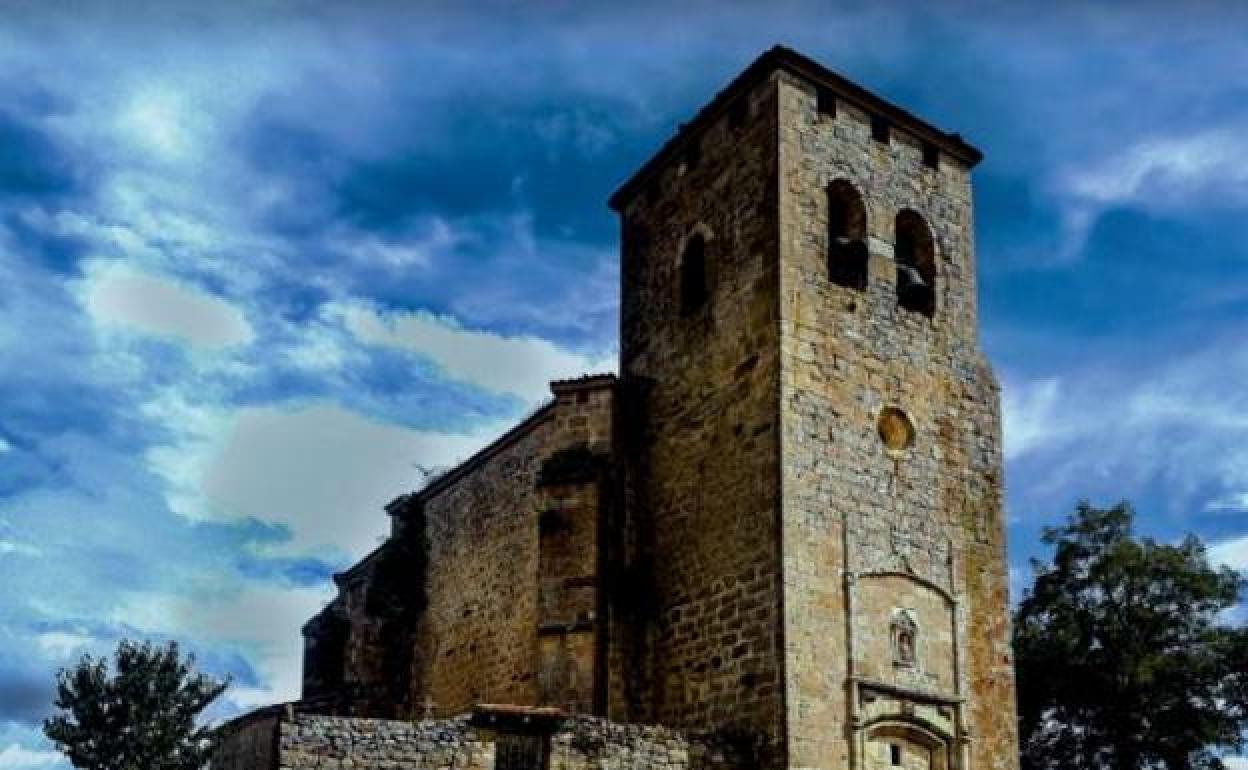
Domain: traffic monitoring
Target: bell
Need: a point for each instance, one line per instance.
(848, 262)
(908, 276)
(913, 291)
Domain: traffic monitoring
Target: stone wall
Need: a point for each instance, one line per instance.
(511, 584)
(871, 533)
(250, 742)
(709, 460)
(749, 545)
(306, 742)
(479, 640)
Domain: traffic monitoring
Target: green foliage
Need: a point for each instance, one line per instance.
(1124, 660)
(138, 716)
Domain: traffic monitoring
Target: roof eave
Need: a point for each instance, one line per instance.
(782, 58)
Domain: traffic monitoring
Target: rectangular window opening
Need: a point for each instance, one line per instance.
(931, 155)
(879, 129)
(894, 754)
(693, 155)
(827, 102)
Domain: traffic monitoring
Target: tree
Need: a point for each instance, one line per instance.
(139, 716)
(1124, 659)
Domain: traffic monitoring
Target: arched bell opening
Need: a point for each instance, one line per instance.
(914, 250)
(847, 236)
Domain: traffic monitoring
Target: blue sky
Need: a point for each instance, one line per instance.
(262, 267)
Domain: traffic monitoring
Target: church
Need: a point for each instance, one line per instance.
(781, 519)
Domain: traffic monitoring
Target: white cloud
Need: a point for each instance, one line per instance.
(1031, 415)
(1018, 584)
(1159, 173)
(1231, 553)
(1178, 424)
(20, 549)
(1167, 170)
(438, 239)
(16, 757)
(116, 294)
(321, 471)
(155, 120)
(1236, 502)
(62, 644)
(263, 620)
(1236, 763)
(522, 365)
(321, 347)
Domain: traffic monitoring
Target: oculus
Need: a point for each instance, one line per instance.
(895, 429)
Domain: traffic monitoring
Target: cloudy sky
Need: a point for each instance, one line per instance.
(261, 268)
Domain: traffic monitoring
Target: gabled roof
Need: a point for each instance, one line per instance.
(788, 60)
(404, 503)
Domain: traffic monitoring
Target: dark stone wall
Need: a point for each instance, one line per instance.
(726, 538)
(250, 742)
(708, 464)
(506, 553)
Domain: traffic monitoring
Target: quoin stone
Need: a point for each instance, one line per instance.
(775, 537)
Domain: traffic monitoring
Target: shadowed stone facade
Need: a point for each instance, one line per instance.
(781, 523)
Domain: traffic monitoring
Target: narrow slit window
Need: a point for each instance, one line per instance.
(693, 287)
(693, 154)
(880, 129)
(826, 102)
(894, 754)
(931, 155)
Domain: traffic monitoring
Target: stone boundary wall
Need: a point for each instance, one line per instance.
(309, 742)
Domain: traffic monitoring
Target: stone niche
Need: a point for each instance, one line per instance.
(904, 633)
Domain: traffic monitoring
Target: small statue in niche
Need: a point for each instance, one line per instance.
(905, 636)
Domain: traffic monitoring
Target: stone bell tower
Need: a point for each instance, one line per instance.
(818, 480)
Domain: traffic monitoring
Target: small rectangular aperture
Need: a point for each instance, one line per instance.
(827, 102)
(693, 154)
(739, 113)
(931, 155)
(879, 129)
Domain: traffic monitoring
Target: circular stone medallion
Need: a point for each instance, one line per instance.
(896, 430)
